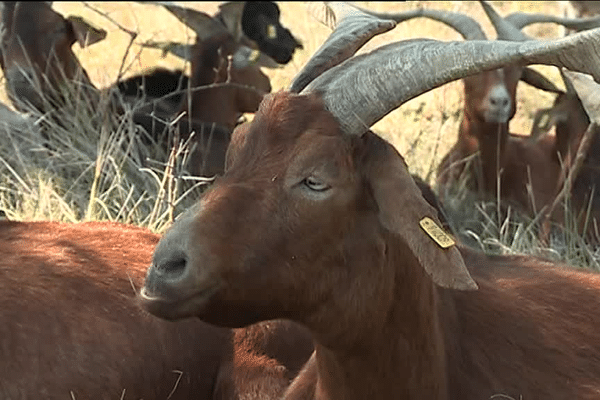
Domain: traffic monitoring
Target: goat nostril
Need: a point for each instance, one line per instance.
(499, 101)
(173, 267)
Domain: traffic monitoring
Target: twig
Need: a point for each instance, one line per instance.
(132, 35)
(108, 17)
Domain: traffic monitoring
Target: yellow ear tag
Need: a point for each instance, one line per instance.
(436, 233)
(254, 56)
(271, 32)
(544, 120)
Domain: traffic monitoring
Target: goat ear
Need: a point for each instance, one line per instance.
(85, 33)
(401, 210)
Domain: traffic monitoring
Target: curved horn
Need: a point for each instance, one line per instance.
(201, 23)
(520, 20)
(568, 84)
(180, 50)
(539, 81)
(230, 13)
(588, 92)
(463, 24)
(504, 29)
(362, 90)
(353, 28)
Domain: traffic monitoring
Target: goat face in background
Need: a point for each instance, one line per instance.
(490, 96)
(37, 58)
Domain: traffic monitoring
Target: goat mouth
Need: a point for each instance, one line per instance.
(497, 117)
(176, 307)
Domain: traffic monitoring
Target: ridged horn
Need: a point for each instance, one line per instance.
(362, 90)
(180, 50)
(353, 28)
(504, 29)
(520, 20)
(201, 23)
(588, 92)
(230, 14)
(463, 24)
(568, 84)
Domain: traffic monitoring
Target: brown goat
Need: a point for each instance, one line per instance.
(36, 55)
(316, 219)
(222, 104)
(72, 326)
(485, 150)
(498, 163)
(571, 121)
(41, 69)
(371, 325)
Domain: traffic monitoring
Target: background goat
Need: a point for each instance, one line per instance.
(38, 70)
(71, 325)
(317, 220)
(496, 163)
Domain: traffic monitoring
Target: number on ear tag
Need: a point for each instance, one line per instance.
(436, 233)
(254, 56)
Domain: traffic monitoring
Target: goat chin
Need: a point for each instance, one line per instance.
(496, 117)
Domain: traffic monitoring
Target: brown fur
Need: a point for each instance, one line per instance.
(223, 105)
(321, 228)
(71, 325)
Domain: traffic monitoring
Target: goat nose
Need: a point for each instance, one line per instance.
(172, 267)
(165, 273)
(499, 101)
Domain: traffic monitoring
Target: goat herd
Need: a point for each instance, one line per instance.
(314, 266)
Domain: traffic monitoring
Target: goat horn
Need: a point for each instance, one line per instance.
(230, 13)
(463, 24)
(539, 81)
(568, 84)
(201, 23)
(504, 29)
(353, 28)
(362, 90)
(588, 92)
(521, 20)
(180, 50)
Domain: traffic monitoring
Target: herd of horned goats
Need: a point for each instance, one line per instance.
(315, 266)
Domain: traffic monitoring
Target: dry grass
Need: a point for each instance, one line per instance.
(423, 129)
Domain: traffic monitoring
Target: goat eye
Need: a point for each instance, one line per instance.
(315, 184)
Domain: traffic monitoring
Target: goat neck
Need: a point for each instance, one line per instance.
(490, 140)
(402, 354)
(210, 65)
